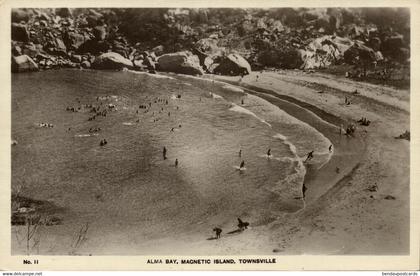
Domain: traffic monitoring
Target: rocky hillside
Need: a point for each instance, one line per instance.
(370, 43)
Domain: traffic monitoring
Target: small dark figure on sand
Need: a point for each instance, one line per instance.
(304, 191)
(310, 156)
(347, 101)
(330, 148)
(240, 153)
(242, 225)
(103, 142)
(269, 153)
(218, 232)
(337, 170)
(164, 153)
(176, 162)
(242, 164)
(242, 101)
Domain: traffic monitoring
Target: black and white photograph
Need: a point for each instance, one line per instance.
(210, 131)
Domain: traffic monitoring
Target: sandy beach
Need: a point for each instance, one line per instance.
(347, 218)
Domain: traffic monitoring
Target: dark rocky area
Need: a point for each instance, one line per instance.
(369, 43)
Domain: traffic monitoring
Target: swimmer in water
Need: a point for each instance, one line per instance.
(310, 156)
(164, 153)
(242, 164)
(176, 162)
(330, 148)
(269, 153)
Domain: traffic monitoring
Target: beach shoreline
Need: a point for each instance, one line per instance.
(347, 150)
(343, 220)
(338, 205)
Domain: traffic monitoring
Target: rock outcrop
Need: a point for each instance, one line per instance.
(324, 51)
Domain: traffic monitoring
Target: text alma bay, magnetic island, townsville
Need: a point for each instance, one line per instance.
(212, 261)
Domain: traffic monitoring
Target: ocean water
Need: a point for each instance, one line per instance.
(126, 186)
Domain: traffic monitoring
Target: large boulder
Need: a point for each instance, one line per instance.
(112, 61)
(20, 32)
(359, 54)
(181, 62)
(23, 63)
(232, 65)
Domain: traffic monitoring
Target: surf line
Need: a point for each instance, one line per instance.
(240, 109)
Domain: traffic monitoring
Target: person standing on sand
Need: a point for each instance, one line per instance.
(176, 162)
(218, 232)
(240, 153)
(242, 164)
(303, 191)
(269, 153)
(164, 153)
